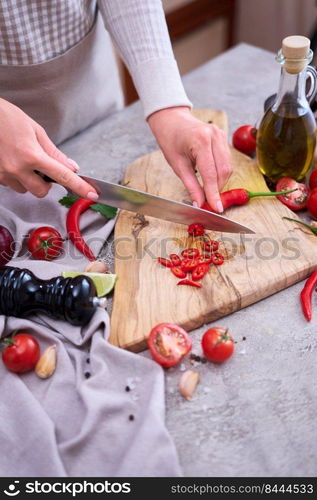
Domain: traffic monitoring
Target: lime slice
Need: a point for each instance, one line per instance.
(104, 283)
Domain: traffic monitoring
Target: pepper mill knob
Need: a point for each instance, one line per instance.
(295, 49)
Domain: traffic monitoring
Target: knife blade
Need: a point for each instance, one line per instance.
(151, 205)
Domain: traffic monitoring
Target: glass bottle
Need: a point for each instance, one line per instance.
(286, 136)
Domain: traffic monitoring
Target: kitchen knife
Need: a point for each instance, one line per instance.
(151, 205)
(148, 204)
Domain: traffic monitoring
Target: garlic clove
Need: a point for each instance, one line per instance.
(98, 266)
(188, 383)
(46, 365)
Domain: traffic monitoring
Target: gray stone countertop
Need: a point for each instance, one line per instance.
(255, 414)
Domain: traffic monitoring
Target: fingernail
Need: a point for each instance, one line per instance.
(92, 196)
(72, 163)
(219, 206)
(195, 204)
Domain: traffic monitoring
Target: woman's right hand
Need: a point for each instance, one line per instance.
(25, 147)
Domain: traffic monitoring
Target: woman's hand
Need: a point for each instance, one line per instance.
(188, 143)
(25, 147)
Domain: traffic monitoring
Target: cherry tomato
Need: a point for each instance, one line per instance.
(188, 265)
(45, 243)
(312, 203)
(21, 352)
(244, 139)
(175, 259)
(313, 179)
(168, 344)
(190, 283)
(217, 344)
(178, 272)
(196, 230)
(190, 253)
(296, 200)
(217, 259)
(199, 272)
(165, 262)
(211, 246)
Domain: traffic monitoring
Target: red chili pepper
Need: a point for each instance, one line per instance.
(165, 262)
(190, 253)
(190, 283)
(178, 272)
(200, 271)
(175, 259)
(211, 246)
(204, 259)
(188, 265)
(217, 258)
(196, 230)
(241, 197)
(72, 224)
(306, 295)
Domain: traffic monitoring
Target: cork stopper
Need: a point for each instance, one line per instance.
(295, 49)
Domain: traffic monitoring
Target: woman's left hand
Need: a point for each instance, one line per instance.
(189, 144)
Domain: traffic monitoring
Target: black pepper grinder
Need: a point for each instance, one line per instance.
(71, 299)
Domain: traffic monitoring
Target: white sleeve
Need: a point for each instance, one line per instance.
(139, 30)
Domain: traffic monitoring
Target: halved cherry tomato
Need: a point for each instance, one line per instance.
(312, 203)
(199, 272)
(196, 230)
(168, 344)
(190, 283)
(217, 344)
(178, 272)
(313, 179)
(296, 200)
(244, 139)
(165, 262)
(190, 253)
(211, 246)
(217, 258)
(175, 259)
(188, 265)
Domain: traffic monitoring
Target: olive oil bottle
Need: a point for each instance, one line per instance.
(286, 136)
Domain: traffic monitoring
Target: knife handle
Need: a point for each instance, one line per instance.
(45, 178)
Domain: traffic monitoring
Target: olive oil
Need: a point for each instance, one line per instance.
(286, 137)
(285, 145)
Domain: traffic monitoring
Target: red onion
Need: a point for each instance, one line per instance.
(6, 246)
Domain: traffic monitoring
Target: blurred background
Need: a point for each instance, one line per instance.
(203, 29)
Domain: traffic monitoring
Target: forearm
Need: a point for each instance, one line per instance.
(139, 30)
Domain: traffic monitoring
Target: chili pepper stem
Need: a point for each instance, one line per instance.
(313, 229)
(270, 193)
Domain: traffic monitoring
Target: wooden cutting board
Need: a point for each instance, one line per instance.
(256, 266)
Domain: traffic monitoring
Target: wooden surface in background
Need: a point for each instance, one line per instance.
(278, 255)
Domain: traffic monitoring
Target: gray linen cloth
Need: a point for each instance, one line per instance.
(70, 425)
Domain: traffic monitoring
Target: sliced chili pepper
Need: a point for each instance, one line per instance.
(190, 283)
(175, 259)
(217, 258)
(196, 230)
(199, 272)
(188, 265)
(190, 253)
(165, 262)
(242, 196)
(306, 295)
(72, 224)
(211, 246)
(178, 272)
(204, 259)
